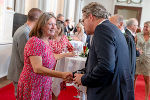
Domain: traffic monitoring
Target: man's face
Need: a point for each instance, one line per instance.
(135, 26)
(87, 23)
(61, 18)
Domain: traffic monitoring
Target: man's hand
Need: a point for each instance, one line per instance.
(67, 77)
(77, 79)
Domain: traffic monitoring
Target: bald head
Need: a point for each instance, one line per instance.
(117, 20)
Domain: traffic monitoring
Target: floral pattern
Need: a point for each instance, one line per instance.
(59, 46)
(32, 86)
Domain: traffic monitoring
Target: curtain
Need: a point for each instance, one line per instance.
(20, 6)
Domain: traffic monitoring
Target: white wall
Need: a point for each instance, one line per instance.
(110, 5)
(1, 18)
(6, 19)
(145, 12)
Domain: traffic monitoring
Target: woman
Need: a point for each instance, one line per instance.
(59, 44)
(60, 41)
(80, 35)
(143, 61)
(36, 78)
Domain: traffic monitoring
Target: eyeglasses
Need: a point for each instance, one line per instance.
(59, 21)
(82, 21)
(52, 24)
(135, 25)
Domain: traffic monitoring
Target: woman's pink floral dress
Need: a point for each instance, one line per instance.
(32, 86)
(58, 46)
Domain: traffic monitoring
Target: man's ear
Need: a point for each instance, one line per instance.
(120, 24)
(91, 17)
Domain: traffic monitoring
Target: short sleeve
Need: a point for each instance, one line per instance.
(34, 47)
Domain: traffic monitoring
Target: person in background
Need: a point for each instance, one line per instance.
(143, 61)
(132, 25)
(60, 41)
(60, 44)
(20, 38)
(36, 77)
(107, 75)
(118, 21)
(75, 28)
(60, 17)
(80, 35)
(67, 28)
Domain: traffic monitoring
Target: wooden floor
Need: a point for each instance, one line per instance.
(4, 81)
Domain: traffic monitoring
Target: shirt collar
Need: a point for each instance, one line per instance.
(131, 32)
(123, 31)
(102, 21)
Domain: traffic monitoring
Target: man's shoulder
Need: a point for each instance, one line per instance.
(21, 31)
(127, 32)
(108, 28)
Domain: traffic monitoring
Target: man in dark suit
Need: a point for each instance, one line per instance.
(107, 75)
(132, 25)
(67, 28)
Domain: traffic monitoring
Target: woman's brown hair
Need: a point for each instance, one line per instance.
(60, 25)
(37, 30)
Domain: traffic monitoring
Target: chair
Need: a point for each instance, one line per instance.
(18, 20)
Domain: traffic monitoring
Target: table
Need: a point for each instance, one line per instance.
(77, 44)
(67, 64)
(5, 54)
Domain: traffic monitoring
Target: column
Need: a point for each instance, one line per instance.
(20, 6)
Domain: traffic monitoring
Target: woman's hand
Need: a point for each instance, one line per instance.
(67, 77)
(140, 51)
(76, 38)
(60, 56)
(70, 54)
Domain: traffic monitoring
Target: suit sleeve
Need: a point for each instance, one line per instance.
(104, 48)
(22, 42)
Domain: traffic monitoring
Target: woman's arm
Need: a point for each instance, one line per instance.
(36, 62)
(59, 56)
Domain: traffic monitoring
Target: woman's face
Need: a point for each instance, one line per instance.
(50, 27)
(146, 28)
(58, 30)
(78, 29)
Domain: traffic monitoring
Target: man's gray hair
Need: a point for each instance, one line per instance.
(119, 18)
(59, 15)
(96, 10)
(131, 21)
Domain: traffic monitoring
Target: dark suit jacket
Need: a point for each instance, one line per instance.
(132, 51)
(107, 75)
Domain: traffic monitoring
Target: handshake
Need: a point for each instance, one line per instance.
(74, 77)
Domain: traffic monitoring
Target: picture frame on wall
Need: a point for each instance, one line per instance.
(136, 1)
(130, 1)
(122, 0)
(129, 12)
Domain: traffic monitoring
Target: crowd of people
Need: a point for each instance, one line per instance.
(117, 54)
